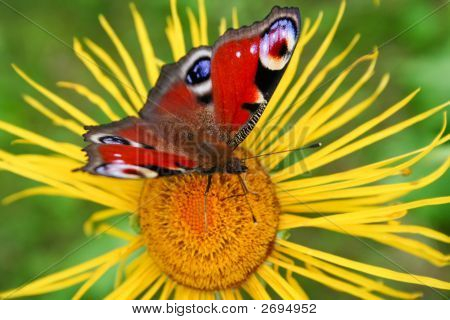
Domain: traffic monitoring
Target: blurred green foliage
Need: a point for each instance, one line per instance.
(35, 234)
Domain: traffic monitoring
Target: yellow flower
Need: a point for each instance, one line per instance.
(245, 251)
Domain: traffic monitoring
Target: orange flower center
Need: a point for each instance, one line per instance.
(213, 246)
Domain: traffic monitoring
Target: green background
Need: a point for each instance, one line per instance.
(38, 232)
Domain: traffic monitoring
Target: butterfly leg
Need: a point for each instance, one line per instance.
(244, 194)
(244, 187)
(205, 213)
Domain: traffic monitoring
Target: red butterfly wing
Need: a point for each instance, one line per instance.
(222, 91)
(202, 107)
(131, 148)
(246, 67)
(181, 102)
(121, 161)
(180, 91)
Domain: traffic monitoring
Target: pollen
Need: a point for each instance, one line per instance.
(223, 251)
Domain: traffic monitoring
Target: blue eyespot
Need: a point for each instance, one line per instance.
(278, 43)
(199, 72)
(113, 140)
(285, 25)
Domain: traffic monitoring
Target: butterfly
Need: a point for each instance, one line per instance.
(201, 108)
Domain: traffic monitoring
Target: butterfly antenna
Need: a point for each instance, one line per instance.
(205, 212)
(311, 146)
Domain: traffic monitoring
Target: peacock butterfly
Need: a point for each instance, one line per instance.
(201, 108)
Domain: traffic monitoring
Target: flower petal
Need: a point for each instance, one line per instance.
(294, 250)
(61, 103)
(127, 60)
(57, 120)
(101, 78)
(146, 46)
(92, 97)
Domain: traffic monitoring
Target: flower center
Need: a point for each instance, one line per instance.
(235, 240)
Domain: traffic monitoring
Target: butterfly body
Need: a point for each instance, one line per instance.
(201, 108)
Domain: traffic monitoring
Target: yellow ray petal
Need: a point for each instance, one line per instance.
(120, 272)
(355, 278)
(203, 22)
(154, 288)
(351, 217)
(180, 293)
(222, 26)
(371, 190)
(63, 279)
(61, 103)
(61, 169)
(292, 249)
(169, 286)
(305, 125)
(209, 295)
(227, 294)
(146, 46)
(117, 73)
(330, 153)
(410, 229)
(340, 205)
(140, 285)
(343, 189)
(92, 97)
(278, 283)
(95, 276)
(351, 173)
(66, 149)
(355, 133)
(289, 275)
(350, 114)
(325, 280)
(62, 180)
(290, 221)
(33, 176)
(333, 107)
(57, 120)
(142, 282)
(410, 246)
(255, 289)
(234, 18)
(174, 33)
(195, 32)
(36, 191)
(337, 206)
(21, 292)
(380, 135)
(115, 232)
(138, 280)
(126, 58)
(101, 78)
(102, 215)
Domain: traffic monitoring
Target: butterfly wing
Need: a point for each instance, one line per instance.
(223, 90)
(182, 90)
(246, 67)
(183, 97)
(177, 120)
(131, 148)
(202, 106)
